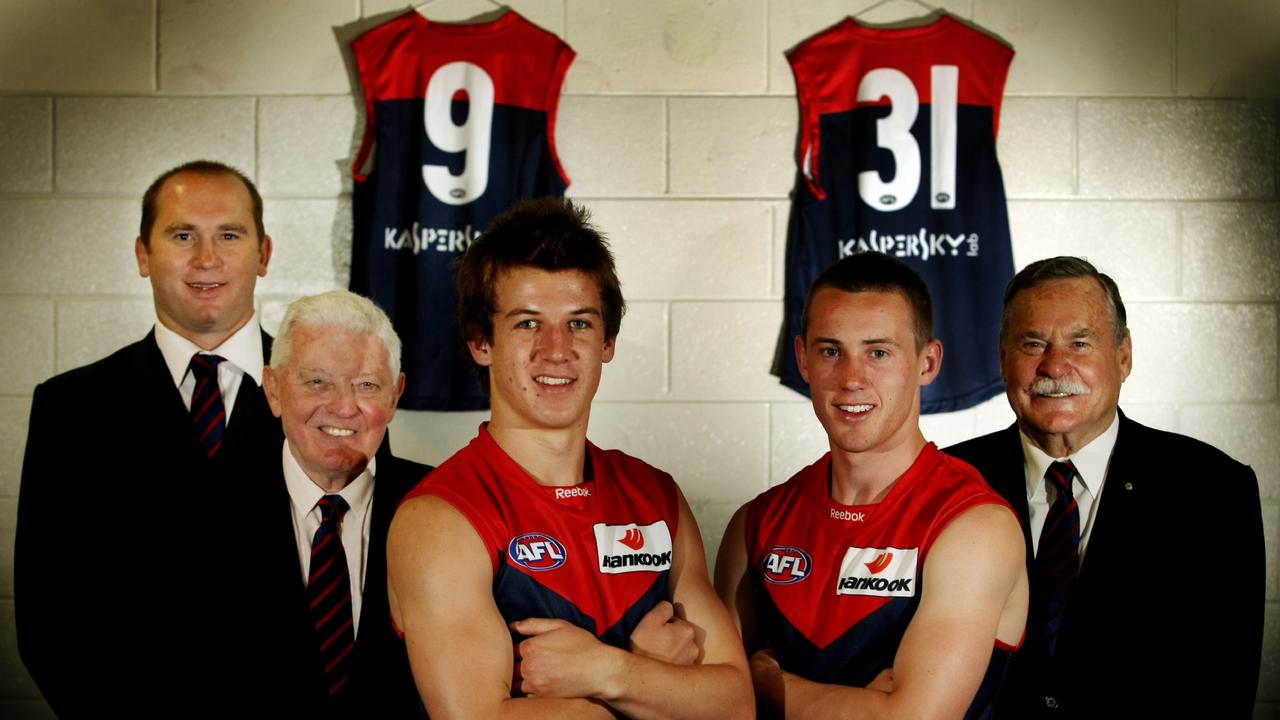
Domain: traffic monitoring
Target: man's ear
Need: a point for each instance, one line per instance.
(144, 261)
(930, 361)
(802, 362)
(481, 351)
(271, 388)
(1125, 356)
(396, 392)
(264, 255)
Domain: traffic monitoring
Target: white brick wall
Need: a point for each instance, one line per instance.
(1140, 134)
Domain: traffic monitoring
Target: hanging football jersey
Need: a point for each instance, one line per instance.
(460, 126)
(897, 154)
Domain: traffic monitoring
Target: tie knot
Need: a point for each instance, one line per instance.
(1060, 475)
(203, 366)
(332, 508)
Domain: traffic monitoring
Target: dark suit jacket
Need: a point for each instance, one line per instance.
(1165, 619)
(289, 673)
(120, 569)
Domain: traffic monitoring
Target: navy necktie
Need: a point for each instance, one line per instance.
(1058, 557)
(329, 595)
(208, 414)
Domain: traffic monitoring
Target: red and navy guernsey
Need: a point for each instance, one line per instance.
(835, 586)
(598, 554)
(460, 125)
(897, 154)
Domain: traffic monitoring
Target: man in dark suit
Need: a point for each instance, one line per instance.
(1153, 607)
(325, 638)
(124, 505)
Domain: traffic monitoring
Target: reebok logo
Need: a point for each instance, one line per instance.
(847, 515)
(881, 572)
(633, 548)
(572, 492)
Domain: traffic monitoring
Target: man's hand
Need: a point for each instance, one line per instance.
(766, 675)
(560, 659)
(661, 635)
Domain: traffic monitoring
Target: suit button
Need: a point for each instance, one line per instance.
(1051, 702)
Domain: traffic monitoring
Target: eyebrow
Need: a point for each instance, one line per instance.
(1080, 333)
(224, 227)
(530, 311)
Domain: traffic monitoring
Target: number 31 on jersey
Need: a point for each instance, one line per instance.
(893, 133)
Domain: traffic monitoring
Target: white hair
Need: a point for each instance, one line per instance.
(335, 309)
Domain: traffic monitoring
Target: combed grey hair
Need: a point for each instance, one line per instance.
(1066, 267)
(335, 309)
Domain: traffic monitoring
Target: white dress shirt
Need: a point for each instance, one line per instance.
(1091, 463)
(242, 352)
(304, 499)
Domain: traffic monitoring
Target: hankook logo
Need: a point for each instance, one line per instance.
(881, 572)
(633, 548)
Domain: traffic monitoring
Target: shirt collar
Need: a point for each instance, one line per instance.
(1090, 461)
(243, 350)
(305, 493)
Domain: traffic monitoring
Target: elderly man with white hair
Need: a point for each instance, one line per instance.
(326, 646)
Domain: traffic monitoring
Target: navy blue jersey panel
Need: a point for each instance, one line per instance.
(963, 253)
(407, 240)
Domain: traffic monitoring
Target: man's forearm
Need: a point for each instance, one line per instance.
(796, 698)
(650, 688)
(525, 708)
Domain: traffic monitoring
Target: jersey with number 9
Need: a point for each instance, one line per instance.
(460, 124)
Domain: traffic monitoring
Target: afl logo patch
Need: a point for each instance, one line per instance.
(784, 565)
(536, 551)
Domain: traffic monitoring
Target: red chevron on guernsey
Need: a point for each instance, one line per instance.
(881, 562)
(634, 539)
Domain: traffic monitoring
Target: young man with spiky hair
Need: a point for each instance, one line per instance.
(535, 574)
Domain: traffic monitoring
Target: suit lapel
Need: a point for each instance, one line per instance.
(1116, 513)
(1010, 480)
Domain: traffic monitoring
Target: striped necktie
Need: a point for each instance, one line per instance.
(208, 414)
(329, 595)
(1058, 557)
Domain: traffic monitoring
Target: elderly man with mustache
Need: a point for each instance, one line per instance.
(1144, 547)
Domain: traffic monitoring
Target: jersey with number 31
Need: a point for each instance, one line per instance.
(460, 126)
(897, 154)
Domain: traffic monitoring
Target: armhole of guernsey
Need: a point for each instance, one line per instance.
(806, 153)
(564, 58)
(358, 166)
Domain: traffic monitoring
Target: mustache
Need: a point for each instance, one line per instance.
(1058, 386)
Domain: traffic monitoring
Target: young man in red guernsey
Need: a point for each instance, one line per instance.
(885, 580)
(534, 574)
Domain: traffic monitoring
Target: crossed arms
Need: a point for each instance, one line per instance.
(440, 584)
(974, 591)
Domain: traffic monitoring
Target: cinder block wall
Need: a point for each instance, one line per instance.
(1141, 134)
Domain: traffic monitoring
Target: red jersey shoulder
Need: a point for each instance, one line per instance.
(524, 63)
(830, 66)
(637, 479)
